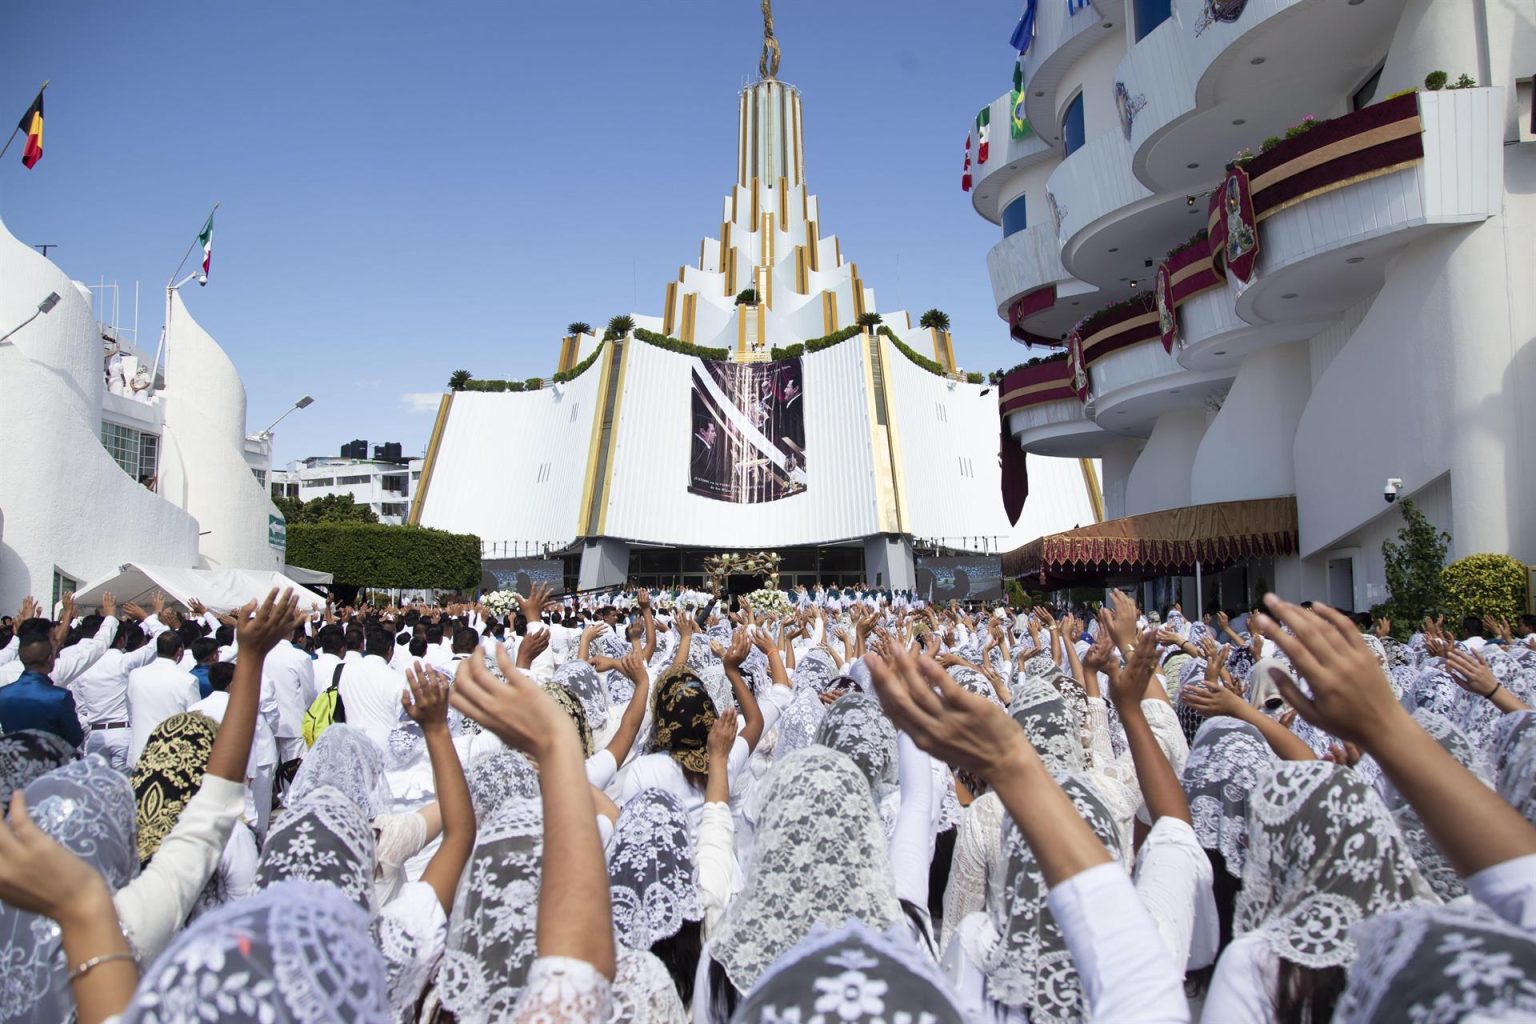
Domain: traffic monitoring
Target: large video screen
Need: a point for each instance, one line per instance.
(520, 574)
(971, 578)
(748, 431)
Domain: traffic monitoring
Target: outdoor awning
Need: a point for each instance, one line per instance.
(308, 577)
(220, 590)
(1166, 543)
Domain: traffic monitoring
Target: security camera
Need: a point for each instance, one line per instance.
(1389, 492)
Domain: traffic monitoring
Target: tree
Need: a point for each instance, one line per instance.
(1484, 584)
(576, 328)
(621, 326)
(746, 297)
(936, 319)
(1413, 567)
(870, 319)
(333, 508)
(363, 554)
(457, 379)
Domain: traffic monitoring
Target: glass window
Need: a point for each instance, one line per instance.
(62, 585)
(137, 453)
(1367, 91)
(261, 476)
(1073, 132)
(349, 480)
(1150, 14)
(1014, 219)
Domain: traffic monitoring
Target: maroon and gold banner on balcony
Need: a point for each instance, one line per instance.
(1049, 381)
(1239, 228)
(1077, 368)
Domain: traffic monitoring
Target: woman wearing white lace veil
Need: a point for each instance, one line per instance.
(854, 975)
(1323, 855)
(344, 758)
(28, 754)
(653, 886)
(88, 808)
(855, 725)
(296, 953)
(325, 837)
(1514, 762)
(1440, 965)
(1011, 962)
(498, 776)
(821, 856)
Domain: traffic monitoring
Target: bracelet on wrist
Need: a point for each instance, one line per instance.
(80, 969)
(1497, 686)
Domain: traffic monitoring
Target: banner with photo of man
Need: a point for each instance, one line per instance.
(973, 578)
(521, 574)
(748, 441)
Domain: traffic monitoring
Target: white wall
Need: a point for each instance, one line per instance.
(1118, 460)
(1246, 451)
(202, 461)
(1094, 73)
(1161, 477)
(490, 477)
(63, 501)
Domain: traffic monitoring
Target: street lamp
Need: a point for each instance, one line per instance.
(303, 403)
(42, 307)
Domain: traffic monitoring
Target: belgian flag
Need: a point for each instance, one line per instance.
(32, 124)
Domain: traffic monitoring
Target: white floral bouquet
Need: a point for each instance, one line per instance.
(770, 600)
(501, 602)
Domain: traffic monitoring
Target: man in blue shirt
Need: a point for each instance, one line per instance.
(33, 702)
(205, 652)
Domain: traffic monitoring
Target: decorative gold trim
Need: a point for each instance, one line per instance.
(766, 292)
(1095, 495)
(757, 199)
(730, 273)
(589, 474)
(741, 330)
(813, 244)
(801, 284)
(828, 311)
(762, 325)
(837, 251)
(568, 348)
(1035, 388)
(782, 202)
(613, 439)
(669, 311)
(419, 501)
(690, 309)
(858, 291)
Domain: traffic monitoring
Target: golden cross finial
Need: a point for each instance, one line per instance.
(768, 65)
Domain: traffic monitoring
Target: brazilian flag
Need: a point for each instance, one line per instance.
(1018, 125)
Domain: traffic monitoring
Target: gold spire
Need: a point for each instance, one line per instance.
(768, 65)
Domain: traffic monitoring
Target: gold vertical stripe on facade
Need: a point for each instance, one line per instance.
(858, 290)
(419, 502)
(762, 325)
(769, 252)
(828, 311)
(589, 475)
(669, 310)
(703, 247)
(1095, 495)
(567, 355)
(783, 203)
(893, 436)
(730, 272)
(813, 243)
(757, 200)
(613, 437)
(741, 330)
(690, 307)
(801, 285)
(799, 142)
(837, 251)
(767, 290)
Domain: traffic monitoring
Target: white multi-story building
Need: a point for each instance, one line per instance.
(1333, 241)
(383, 484)
(99, 468)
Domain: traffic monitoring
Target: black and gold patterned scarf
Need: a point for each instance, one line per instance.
(684, 715)
(169, 772)
(571, 705)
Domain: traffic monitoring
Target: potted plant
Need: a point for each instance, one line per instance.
(934, 319)
(458, 379)
(621, 326)
(576, 328)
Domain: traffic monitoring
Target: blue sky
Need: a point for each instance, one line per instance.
(411, 188)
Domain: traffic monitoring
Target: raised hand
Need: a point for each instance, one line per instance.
(1128, 686)
(536, 602)
(108, 605)
(134, 612)
(533, 645)
(260, 627)
(28, 609)
(39, 875)
(427, 702)
(722, 736)
(1471, 672)
(1122, 619)
(196, 607)
(1351, 697)
(1211, 701)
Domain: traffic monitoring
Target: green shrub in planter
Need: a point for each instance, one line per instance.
(1270, 143)
(533, 383)
(1484, 584)
(1435, 80)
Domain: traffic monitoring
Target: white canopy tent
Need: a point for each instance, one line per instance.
(221, 590)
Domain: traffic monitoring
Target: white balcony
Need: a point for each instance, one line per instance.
(1137, 384)
(1061, 37)
(1006, 157)
(1216, 338)
(1061, 428)
(1204, 89)
(1325, 253)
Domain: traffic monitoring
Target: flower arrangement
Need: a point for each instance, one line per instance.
(770, 599)
(1303, 126)
(501, 602)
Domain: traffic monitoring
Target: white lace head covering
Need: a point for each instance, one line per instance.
(1478, 717)
(498, 776)
(581, 681)
(653, 881)
(814, 670)
(296, 953)
(856, 725)
(1039, 708)
(799, 721)
(1023, 952)
(88, 808)
(973, 681)
(326, 837)
(643, 992)
(492, 930)
(1433, 690)
(853, 975)
(820, 856)
(1224, 765)
(344, 758)
(1440, 965)
(1514, 762)
(29, 754)
(1323, 854)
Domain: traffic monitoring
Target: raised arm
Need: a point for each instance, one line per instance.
(259, 629)
(1160, 786)
(643, 598)
(633, 666)
(427, 705)
(751, 714)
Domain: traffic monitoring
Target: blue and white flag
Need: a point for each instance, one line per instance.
(1024, 33)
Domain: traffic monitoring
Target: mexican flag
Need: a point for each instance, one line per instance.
(983, 133)
(205, 239)
(965, 174)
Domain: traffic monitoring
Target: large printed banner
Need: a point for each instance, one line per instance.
(520, 574)
(748, 431)
(976, 578)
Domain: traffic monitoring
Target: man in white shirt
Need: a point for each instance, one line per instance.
(333, 648)
(157, 691)
(292, 675)
(72, 661)
(101, 693)
(261, 767)
(370, 690)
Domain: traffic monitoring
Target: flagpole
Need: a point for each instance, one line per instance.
(169, 283)
(6, 148)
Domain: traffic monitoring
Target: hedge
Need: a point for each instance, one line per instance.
(680, 347)
(1484, 584)
(374, 555)
(581, 367)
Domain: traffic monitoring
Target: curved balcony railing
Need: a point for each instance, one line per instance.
(1006, 157)
(1025, 262)
(1064, 32)
(1093, 183)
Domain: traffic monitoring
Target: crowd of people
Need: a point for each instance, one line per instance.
(855, 808)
